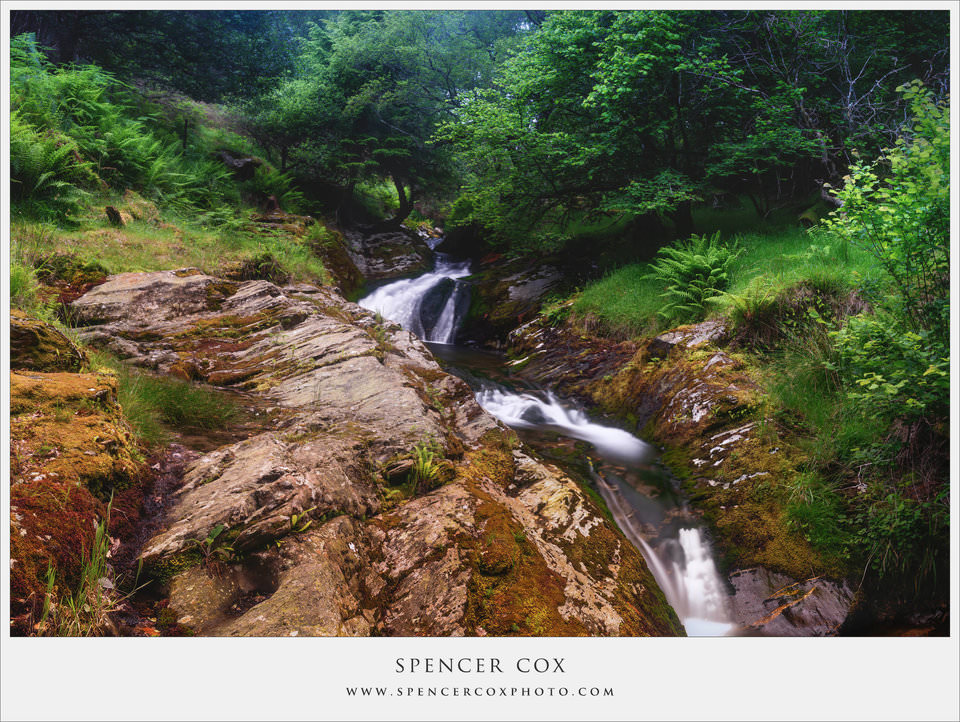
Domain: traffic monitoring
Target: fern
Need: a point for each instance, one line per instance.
(691, 274)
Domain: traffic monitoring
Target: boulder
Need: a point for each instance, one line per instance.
(38, 346)
(387, 254)
(768, 603)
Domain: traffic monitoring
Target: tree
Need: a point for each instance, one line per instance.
(606, 112)
(371, 87)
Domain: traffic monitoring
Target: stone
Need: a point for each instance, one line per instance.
(38, 346)
(769, 603)
(387, 254)
(301, 505)
(688, 337)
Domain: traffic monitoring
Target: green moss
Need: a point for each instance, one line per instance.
(165, 569)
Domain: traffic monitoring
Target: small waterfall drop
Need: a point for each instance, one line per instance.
(526, 411)
(431, 305)
(680, 561)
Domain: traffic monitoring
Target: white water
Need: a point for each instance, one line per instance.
(526, 411)
(401, 301)
(682, 566)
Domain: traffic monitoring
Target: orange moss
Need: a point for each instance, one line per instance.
(69, 427)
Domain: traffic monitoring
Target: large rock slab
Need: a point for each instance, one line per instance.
(318, 526)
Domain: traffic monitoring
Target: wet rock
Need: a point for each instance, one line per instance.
(38, 346)
(768, 603)
(508, 293)
(387, 254)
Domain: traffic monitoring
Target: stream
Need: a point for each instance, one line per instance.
(642, 496)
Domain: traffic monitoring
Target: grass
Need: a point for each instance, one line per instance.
(177, 243)
(153, 405)
(624, 304)
(84, 612)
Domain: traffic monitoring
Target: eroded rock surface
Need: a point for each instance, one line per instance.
(322, 526)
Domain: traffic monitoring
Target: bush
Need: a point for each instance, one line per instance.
(894, 372)
(898, 208)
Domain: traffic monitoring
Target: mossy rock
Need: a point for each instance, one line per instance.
(38, 346)
(71, 269)
(70, 427)
(140, 208)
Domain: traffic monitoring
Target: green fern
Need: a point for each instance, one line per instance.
(691, 274)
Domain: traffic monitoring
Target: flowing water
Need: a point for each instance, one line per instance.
(431, 305)
(641, 495)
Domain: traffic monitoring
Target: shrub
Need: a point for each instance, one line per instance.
(898, 208)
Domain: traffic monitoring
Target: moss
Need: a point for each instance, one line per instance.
(683, 400)
(218, 292)
(70, 269)
(230, 326)
(95, 447)
(187, 272)
(165, 569)
(52, 522)
(36, 345)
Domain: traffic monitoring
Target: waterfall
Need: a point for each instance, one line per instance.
(682, 563)
(526, 411)
(431, 306)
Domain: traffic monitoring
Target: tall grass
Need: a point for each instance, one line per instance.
(84, 612)
(156, 405)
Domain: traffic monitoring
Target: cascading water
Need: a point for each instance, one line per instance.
(526, 411)
(679, 557)
(431, 305)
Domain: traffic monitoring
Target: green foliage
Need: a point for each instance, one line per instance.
(300, 522)
(691, 274)
(213, 550)
(45, 171)
(816, 510)
(77, 128)
(898, 208)
(267, 181)
(894, 372)
(425, 471)
(904, 535)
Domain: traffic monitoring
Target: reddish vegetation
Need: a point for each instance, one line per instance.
(53, 523)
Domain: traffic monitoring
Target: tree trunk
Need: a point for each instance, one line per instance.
(406, 204)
